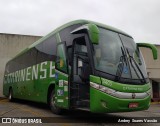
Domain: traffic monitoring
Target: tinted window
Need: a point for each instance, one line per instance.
(22, 61)
(46, 50)
(61, 62)
(48, 46)
(28, 59)
(66, 35)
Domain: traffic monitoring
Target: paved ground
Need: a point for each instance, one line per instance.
(27, 109)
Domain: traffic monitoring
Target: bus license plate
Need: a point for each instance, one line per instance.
(133, 105)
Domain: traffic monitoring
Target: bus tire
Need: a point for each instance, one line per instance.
(10, 96)
(55, 109)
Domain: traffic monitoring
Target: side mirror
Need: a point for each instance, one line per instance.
(92, 30)
(151, 46)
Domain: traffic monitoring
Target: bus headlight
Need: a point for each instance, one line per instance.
(102, 88)
(94, 85)
(110, 91)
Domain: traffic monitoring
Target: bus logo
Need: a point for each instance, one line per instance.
(133, 95)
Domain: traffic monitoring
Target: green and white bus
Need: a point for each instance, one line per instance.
(82, 65)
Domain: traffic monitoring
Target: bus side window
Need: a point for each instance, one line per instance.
(61, 61)
(66, 35)
(46, 50)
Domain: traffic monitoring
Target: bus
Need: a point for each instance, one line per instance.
(82, 65)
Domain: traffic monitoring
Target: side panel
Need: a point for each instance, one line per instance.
(32, 82)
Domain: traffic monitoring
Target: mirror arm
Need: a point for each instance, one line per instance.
(152, 47)
(92, 31)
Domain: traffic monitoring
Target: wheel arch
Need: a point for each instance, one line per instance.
(50, 88)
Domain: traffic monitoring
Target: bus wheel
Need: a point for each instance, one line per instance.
(55, 109)
(10, 97)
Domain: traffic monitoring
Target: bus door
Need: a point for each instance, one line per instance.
(79, 88)
(61, 77)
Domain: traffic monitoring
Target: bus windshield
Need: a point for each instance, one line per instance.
(110, 51)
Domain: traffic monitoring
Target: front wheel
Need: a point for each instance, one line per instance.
(55, 109)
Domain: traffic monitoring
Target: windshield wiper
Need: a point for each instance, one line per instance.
(131, 58)
(121, 65)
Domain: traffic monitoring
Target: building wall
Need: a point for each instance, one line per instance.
(153, 68)
(11, 45)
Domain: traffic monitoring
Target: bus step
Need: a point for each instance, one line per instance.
(74, 99)
(84, 109)
(75, 88)
(83, 103)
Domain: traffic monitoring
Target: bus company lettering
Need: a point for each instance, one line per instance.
(39, 71)
(133, 88)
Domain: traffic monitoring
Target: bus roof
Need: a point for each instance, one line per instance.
(66, 25)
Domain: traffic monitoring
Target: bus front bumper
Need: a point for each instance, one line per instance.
(101, 102)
